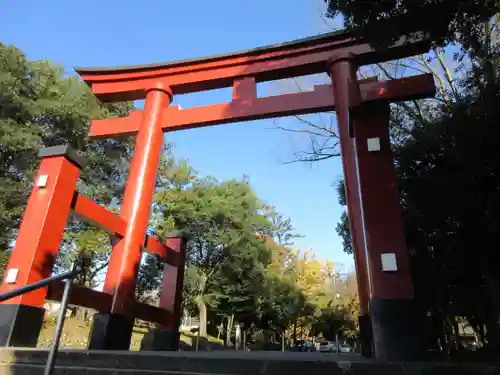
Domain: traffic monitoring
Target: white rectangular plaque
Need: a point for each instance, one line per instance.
(373, 144)
(41, 182)
(389, 262)
(11, 277)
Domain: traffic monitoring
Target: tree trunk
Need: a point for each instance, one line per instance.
(441, 328)
(493, 316)
(456, 330)
(82, 314)
(230, 321)
(202, 308)
(477, 326)
(483, 335)
(219, 330)
(437, 330)
(294, 331)
(450, 337)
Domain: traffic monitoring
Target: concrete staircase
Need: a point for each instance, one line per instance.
(31, 361)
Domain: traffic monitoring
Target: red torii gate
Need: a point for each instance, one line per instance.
(362, 107)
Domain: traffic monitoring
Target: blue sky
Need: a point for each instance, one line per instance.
(110, 33)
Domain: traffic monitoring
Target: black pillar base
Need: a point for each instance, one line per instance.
(20, 325)
(110, 332)
(160, 339)
(365, 335)
(396, 330)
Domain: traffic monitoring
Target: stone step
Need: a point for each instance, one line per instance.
(15, 361)
(24, 369)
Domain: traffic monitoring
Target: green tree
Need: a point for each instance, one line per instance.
(240, 283)
(282, 302)
(173, 175)
(282, 230)
(334, 322)
(149, 279)
(443, 226)
(342, 227)
(223, 219)
(41, 106)
(386, 21)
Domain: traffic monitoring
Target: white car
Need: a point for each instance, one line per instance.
(345, 348)
(327, 346)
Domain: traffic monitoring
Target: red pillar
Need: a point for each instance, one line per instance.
(37, 246)
(394, 320)
(173, 279)
(346, 94)
(167, 337)
(394, 328)
(113, 331)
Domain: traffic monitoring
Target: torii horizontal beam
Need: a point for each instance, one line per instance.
(101, 301)
(285, 60)
(245, 106)
(112, 222)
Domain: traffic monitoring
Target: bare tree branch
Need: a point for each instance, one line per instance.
(403, 104)
(99, 269)
(447, 73)
(299, 131)
(323, 136)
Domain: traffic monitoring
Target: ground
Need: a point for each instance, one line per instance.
(76, 333)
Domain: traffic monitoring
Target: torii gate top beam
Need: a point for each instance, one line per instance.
(284, 60)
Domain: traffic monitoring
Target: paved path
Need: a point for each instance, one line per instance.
(216, 354)
(263, 355)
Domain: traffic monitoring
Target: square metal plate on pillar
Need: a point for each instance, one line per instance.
(41, 181)
(389, 263)
(11, 276)
(373, 144)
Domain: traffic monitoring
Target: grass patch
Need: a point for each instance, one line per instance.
(76, 333)
(74, 336)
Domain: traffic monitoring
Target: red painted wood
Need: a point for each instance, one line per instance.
(345, 88)
(276, 62)
(233, 59)
(99, 215)
(174, 119)
(244, 89)
(402, 89)
(112, 222)
(42, 228)
(321, 99)
(100, 301)
(121, 126)
(241, 71)
(173, 278)
(355, 217)
(81, 296)
(383, 219)
(154, 246)
(135, 208)
(150, 313)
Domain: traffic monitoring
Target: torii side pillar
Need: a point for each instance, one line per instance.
(168, 336)
(37, 246)
(375, 215)
(113, 330)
